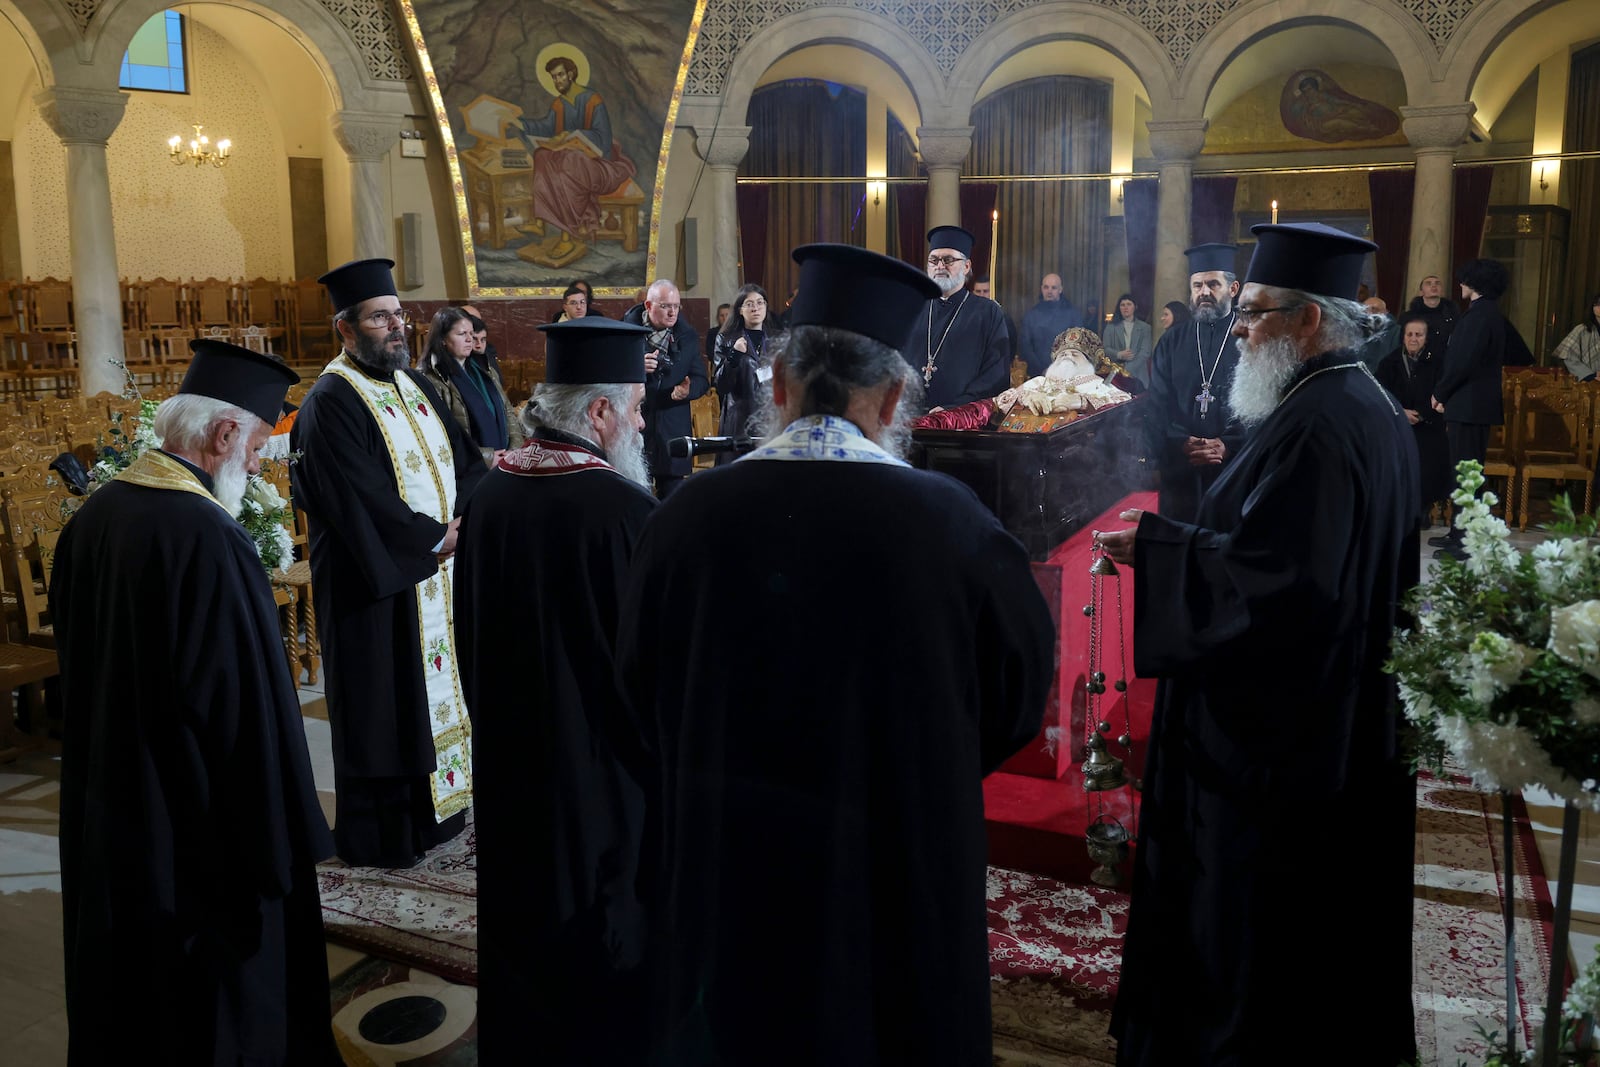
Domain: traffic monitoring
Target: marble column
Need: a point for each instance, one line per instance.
(1175, 143)
(366, 138)
(943, 151)
(84, 120)
(1435, 133)
(722, 148)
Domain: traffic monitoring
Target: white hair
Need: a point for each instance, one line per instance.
(186, 422)
(566, 407)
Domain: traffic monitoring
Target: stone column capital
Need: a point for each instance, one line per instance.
(82, 116)
(1177, 140)
(722, 146)
(366, 136)
(1437, 126)
(944, 146)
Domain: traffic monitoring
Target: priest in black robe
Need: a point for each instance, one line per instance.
(1276, 793)
(1410, 373)
(960, 345)
(369, 552)
(825, 651)
(1189, 431)
(545, 545)
(190, 828)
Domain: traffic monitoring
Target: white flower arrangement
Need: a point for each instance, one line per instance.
(1502, 670)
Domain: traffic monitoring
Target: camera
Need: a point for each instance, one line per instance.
(661, 342)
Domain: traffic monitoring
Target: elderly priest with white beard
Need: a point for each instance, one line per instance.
(820, 688)
(1276, 796)
(960, 344)
(190, 828)
(545, 545)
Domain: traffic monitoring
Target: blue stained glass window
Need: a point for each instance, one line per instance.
(155, 60)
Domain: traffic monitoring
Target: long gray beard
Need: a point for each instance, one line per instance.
(627, 456)
(949, 285)
(377, 354)
(1211, 312)
(1261, 377)
(232, 479)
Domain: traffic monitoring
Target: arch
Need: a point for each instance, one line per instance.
(867, 32)
(57, 36)
(872, 73)
(1090, 23)
(324, 38)
(1400, 34)
(1495, 24)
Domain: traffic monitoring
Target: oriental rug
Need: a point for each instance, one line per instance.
(1055, 947)
(426, 915)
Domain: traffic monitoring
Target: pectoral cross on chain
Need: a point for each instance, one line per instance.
(1204, 398)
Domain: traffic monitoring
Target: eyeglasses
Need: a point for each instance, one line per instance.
(1249, 316)
(382, 320)
(674, 308)
(945, 261)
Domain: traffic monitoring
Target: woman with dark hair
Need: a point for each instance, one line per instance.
(736, 358)
(1127, 340)
(472, 391)
(1174, 313)
(1580, 349)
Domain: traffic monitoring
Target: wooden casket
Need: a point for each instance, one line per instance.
(1045, 486)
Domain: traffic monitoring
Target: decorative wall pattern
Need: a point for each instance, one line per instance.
(1439, 17)
(374, 27)
(226, 223)
(949, 28)
(82, 12)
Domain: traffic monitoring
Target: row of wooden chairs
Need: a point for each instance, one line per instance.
(1550, 435)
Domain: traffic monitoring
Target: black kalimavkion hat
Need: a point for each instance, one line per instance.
(358, 280)
(593, 351)
(952, 237)
(1310, 257)
(849, 288)
(1209, 257)
(250, 380)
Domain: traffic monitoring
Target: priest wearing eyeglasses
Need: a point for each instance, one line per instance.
(1276, 789)
(384, 471)
(960, 344)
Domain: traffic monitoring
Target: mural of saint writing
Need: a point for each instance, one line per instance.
(576, 163)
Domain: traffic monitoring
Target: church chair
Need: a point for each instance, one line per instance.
(312, 341)
(1574, 408)
(703, 415)
(163, 320)
(50, 363)
(262, 307)
(48, 306)
(212, 305)
(300, 614)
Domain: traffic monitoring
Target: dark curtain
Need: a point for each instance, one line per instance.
(1211, 210)
(1391, 193)
(911, 211)
(1139, 204)
(1055, 125)
(978, 200)
(907, 203)
(755, 206)
(804, 129)
(1580, 188)
(1471, 214)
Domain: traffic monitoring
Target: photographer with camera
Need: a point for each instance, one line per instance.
(675, 376)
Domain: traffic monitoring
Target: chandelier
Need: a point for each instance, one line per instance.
(199, 150)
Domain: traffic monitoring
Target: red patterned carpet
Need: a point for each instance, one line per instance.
(1055, 947)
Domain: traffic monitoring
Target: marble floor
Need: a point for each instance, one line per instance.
(386, 1013)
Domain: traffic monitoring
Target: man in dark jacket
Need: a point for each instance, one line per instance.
(1468, 392)
(1044, 322)
(1440, 314)
(675, 376)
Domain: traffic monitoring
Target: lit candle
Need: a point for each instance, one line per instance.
(994, 255)
(1274, 211)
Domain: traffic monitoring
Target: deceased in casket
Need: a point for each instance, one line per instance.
(1074, 381)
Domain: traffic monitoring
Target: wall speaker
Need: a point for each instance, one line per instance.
(689, 253)
(410, 250)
